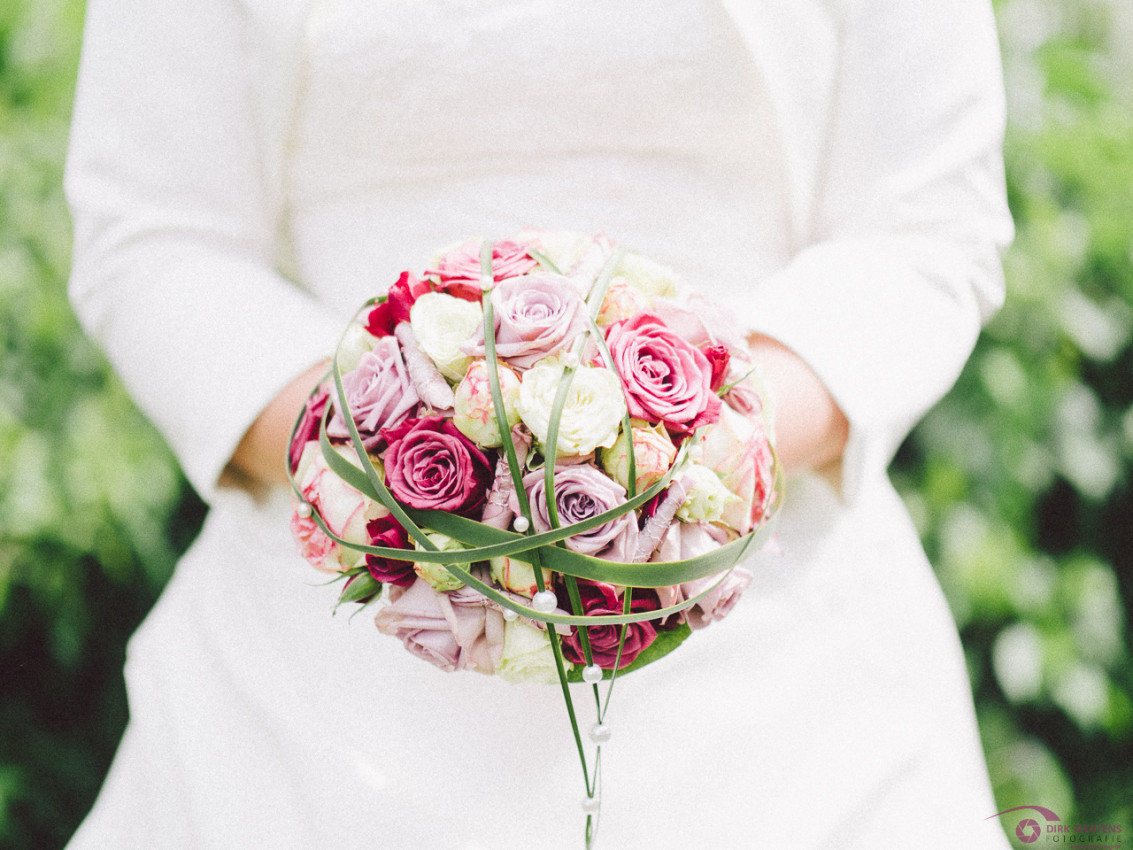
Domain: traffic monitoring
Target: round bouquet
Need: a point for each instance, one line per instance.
(540, 460)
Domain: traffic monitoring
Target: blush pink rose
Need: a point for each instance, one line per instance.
(599, 599)
(453, 630)
(430, 465)
(380, 394)
(738, 448)
(458, 271)
(344, 510)
(666, 379)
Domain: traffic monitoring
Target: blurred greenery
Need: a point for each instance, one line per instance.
(1019, 480)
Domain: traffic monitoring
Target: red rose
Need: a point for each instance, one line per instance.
(309, 424)
(386, 531)
(599, 599)
(395, 309)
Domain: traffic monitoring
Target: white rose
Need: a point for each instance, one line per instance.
(564, 248)
(435, 574)
(356, 342)
(527, 655)
(592, 412)
(442, 325)
(646, 276)
(474, 409)
(707, 497)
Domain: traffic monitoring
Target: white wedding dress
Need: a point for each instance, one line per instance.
(831, 709)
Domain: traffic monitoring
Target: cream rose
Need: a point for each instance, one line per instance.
(443, 325)
(435, 574)
(621, 302)
(653, 454)
(475, 411)
(592, 412)
(527, 655)
(706, 496)
(516, 576)
(356, 342)
(644, 275)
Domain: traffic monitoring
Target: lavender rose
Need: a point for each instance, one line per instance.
(457, 630)
(666, 379)
(687, 540)
(432, 466)
(582, 492)
(379, 392)
(536, 316)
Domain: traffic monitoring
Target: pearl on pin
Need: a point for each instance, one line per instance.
(592, 674)
(545, 601)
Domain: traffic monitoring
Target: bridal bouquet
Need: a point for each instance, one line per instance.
(539, 459)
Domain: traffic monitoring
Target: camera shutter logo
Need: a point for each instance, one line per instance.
(1028, 830)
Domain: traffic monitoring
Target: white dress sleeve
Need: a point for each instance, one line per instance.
(900, 264)
(175, 250)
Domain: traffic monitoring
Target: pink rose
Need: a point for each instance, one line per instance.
(737, 447)
(454, 630)
(666, 379)
(309, 424)
(536, 315)
(432, 466)
(582, 492)
(458, 271)
(379, 392)
(599, 599)
(386, 531)
(395, 309)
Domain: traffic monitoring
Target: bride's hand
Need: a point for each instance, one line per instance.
(259, 459)
(810, 428)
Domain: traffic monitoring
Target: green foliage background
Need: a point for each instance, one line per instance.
(1020, 479)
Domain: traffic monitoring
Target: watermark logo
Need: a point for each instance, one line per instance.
(1051, 830)
(1028, 830)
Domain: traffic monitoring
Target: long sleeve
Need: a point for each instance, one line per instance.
(175, 245)
(898, 263)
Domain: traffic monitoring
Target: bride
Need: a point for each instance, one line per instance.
(244, 173)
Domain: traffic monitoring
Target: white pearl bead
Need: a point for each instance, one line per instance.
(521, 524)
(570, 360)
(487, 281)
(303, 509)
(600, 733)
(592, 675)
(590, 805)
(545, 601)
(510, 615)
